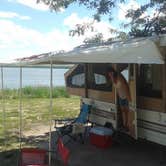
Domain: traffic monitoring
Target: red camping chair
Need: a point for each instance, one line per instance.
(33, 157)
(63, 152)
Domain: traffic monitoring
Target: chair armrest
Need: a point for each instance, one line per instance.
(63, 122)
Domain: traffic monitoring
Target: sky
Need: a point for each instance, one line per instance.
(27, 28)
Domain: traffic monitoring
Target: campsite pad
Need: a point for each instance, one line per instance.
(124, 152)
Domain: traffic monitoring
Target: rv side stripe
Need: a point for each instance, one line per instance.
(103, 113)
(151, 126)
(152, 129)
(152, 122)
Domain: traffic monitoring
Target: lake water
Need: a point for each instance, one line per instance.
(35, 77)
(32, 77)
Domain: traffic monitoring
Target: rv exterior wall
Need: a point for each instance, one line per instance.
(76, 91)
(149, 103)
(164, 81)
(152, 126)
(164, 87)
(102, 96)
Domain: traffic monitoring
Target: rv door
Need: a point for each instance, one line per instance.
(132, 105)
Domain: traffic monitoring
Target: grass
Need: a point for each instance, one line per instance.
(36, 116)
(35, 111)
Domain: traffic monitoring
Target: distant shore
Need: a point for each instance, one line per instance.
(31, 77)
(35, 92)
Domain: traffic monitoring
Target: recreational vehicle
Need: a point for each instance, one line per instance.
(142, 61)
(147, 84)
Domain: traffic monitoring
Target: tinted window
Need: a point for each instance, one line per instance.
(150, 80)
(98, 78)
(78, 80)
(77, 77)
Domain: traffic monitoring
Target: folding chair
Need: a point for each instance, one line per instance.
(33, 157)
(74, 127)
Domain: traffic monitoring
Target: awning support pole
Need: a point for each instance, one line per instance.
(3, 107)
(86, 79)
(50, 110)
(20, 110)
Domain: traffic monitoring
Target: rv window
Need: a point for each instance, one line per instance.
(100, 79)
(150, 76)
(97, 77)
(78, 80)
(76, 77)
(125, 73)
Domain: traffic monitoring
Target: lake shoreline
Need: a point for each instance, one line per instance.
(31, 77)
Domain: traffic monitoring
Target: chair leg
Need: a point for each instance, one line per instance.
(81, 138)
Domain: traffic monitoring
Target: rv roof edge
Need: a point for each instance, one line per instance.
(54, 66)
(163, 40)
(138, 50)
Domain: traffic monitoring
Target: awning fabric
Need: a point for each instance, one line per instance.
(136, 51)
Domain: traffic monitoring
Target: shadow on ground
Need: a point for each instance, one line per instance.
(9, 158)
(124, 152)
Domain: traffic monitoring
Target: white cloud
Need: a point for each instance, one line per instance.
(4, 14)
(99, 27)
(18, 41)
(124, 7)
(32, 4)
(73, 19)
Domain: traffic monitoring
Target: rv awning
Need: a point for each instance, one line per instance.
(142, 51)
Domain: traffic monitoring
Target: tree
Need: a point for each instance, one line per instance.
(141, 24)
(98, 38)
(145, 25)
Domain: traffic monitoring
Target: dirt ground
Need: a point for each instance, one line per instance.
(124, 152)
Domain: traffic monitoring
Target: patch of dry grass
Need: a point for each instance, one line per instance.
(34, 111)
